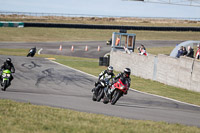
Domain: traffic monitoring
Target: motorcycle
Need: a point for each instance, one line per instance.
(116, 91)
(32, 52)
(6, 74)
(109, 42)
(99, 94)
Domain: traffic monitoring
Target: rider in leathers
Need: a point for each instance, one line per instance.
(106, 74)
(7, 65)
(123, 76)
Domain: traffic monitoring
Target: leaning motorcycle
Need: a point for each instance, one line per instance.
(99, 94)
(6, 74)
(116, 91)
(31, 53)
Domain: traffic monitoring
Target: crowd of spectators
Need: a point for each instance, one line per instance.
(189, 52)
(184, 52)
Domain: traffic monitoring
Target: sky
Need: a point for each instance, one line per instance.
(101, 7)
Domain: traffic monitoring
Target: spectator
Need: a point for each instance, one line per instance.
(117, 41)
(190, 52)
(180, 52)
(142, 50)
(197, 56)
(184, 51)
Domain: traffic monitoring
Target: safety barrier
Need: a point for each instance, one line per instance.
(87, 26)
(11, 24)
(180, 72)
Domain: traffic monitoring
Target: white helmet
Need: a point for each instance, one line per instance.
(110, 69)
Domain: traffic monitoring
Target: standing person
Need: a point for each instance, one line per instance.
(142, 50)
(184, 51)
(7, 65)
(190, 52)
(180, 52)
(197, 56)
(117, 41)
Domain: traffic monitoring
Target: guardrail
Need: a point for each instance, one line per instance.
(87, 26)
(11, 24)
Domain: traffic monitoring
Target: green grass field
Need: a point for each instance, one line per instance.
(24, 117)
(27, 118)
(64, 34)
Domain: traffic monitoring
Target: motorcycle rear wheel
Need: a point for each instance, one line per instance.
(105, 99)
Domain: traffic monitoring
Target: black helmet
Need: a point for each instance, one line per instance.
(110, 69)
(8, 60)
(127, 72)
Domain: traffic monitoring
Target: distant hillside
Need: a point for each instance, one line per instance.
(102, 20)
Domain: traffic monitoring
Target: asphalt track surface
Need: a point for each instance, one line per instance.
(43, 82)
(79, 47)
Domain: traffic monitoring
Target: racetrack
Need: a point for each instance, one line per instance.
(40, 81)
(79, 47)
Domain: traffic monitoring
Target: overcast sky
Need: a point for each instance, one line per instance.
(101, 7)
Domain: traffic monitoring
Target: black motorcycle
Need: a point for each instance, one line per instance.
(32, 52)
(98, 91)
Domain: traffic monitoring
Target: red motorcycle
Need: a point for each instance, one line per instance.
(117, 90)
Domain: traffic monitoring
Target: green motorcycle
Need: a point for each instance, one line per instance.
(6, 74)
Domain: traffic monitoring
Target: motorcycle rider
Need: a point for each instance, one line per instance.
(106, 74)
(32, 51)
(7, 65)
(123, 76)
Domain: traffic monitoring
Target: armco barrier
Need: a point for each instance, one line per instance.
(180, 72)
(87, 26)
(11, 24)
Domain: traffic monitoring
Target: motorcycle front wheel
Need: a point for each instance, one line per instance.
(100, 94)
(94, 98)
(116, 95)
(5, 84)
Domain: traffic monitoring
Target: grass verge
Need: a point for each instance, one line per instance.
(24, 117)
(66, 34)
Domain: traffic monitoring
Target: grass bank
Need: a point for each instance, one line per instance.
(25, 118)
(64, 34)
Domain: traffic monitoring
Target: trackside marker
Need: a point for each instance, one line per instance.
(40, 51)
(98, 49)
(86, 48)
(60, 48)
(72, 49)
